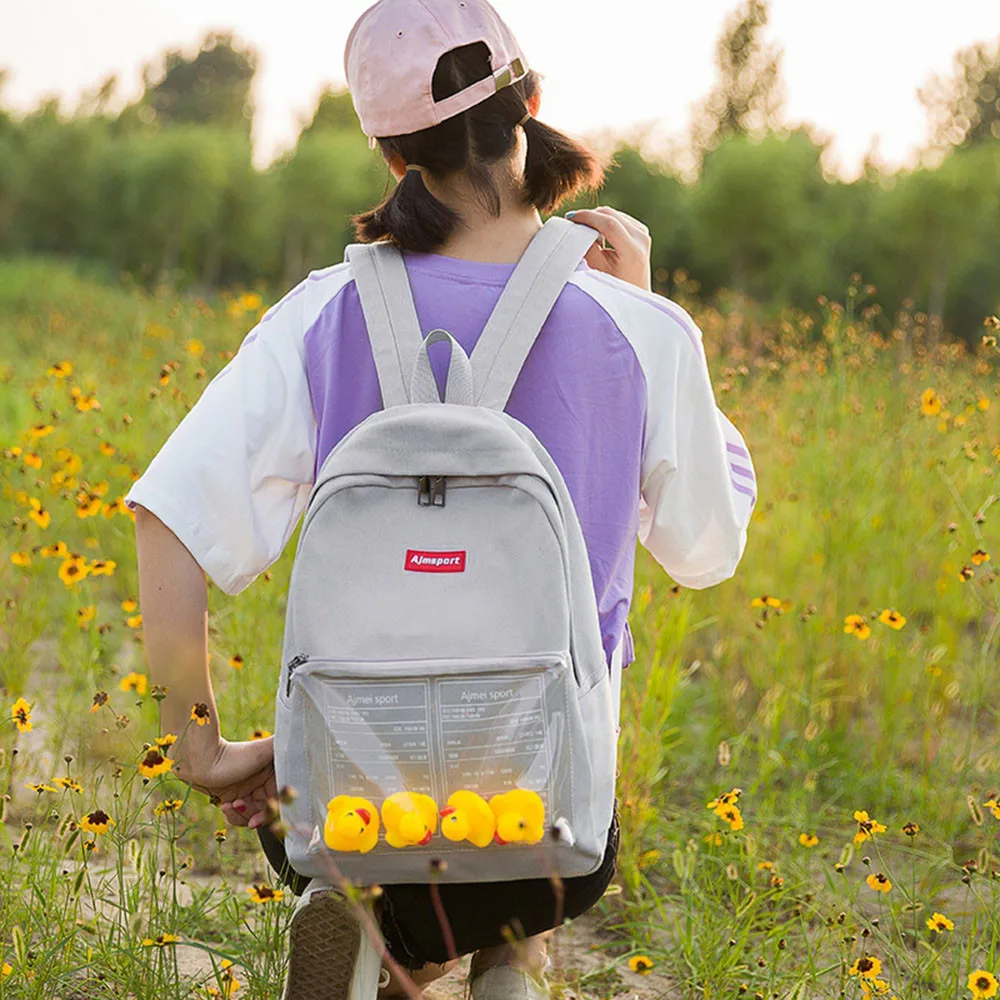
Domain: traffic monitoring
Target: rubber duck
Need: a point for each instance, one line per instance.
(410, 819)
(520, 817)
(468, 816)
(352, 824)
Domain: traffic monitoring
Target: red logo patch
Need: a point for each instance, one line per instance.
(434, 562)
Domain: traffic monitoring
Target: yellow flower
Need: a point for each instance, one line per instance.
(134, 621)
(930, 403)
(87, 504)
(765, 865)
(107, 448)
(878, 986)
(13, 452)
(160, 941)
(808, 839)
(40, 431)
(69, 784)
(938, 922)
(39, 514)
(195, 348)
(33, 460)
(85, 402)
(966, 573)
(103, 567)
(867, 826)
(641, 964)
(6, 969)
(100, 700)
(73, 570)
(84, 616)
(858, 626)
(983, 403)
(878, 882)
(128, 606)
(729, 798)
(133, 682)
(715, 838)
(260, 734)
(236, 661)
(200, 714)
(867, 966)
(993, 805)
(61, 369)
(166, 740)
(980, 556)
(220, 835)
(732, 815)
(97, 821)
(20, 558)
(983, 984)
(230, 984)
(892, 618)
(167, 806)
(911, 829)
(20, 712)
(766, 601)
(33, 787)
(265, 894)
(59, 549)
(154, 764)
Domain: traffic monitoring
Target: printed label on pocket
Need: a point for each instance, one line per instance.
(434, 562)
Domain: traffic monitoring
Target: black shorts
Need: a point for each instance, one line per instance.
(478, 913)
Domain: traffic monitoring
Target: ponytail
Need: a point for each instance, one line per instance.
(411, 218)
(556, 167)
(473, 142)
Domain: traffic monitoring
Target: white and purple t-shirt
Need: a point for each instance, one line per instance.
(616, 388)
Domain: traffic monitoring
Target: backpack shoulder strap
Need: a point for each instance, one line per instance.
(525, 303)
(390, 316)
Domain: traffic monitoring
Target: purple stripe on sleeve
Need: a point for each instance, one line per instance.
(741, 470)
(740, 488)
(737, 450)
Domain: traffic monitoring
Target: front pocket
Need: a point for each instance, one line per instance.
(487, 726)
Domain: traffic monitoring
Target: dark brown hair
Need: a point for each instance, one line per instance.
(556, 166)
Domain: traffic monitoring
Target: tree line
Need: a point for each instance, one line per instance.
(164, 189)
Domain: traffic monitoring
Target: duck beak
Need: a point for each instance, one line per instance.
(365, 815)
(426, 840)
(499, 839)
(447, 811)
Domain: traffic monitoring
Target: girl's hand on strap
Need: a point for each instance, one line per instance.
(627, 244)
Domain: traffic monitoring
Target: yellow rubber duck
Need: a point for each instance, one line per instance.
(468, 817)
(520, 817)
(410, 819)
(352, 824)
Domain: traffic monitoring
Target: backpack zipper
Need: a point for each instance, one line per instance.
(293, 664)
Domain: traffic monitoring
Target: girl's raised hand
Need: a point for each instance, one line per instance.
(628, 244)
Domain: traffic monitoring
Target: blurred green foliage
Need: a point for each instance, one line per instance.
(166, 191)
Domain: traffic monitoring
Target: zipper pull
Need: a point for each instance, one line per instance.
(293, 664)
(431, 491)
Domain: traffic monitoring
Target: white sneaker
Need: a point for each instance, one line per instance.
(508, 982)
(331, 954)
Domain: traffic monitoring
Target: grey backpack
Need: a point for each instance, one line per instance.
(444, 709)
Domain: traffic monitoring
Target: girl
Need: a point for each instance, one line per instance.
(616, 388)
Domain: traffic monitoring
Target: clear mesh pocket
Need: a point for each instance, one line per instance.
(484, 729)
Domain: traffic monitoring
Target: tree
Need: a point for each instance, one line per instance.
(334, 110)
(748, 97)
(212, 88)
(965, 110)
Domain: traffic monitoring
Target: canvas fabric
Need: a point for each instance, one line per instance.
(442, 629)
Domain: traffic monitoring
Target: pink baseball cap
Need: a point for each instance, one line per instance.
(393, 50)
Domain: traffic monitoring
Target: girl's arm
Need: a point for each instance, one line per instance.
(173, 596)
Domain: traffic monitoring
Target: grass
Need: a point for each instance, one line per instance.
(866, 504)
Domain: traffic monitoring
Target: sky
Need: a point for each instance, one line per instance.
(852, 68)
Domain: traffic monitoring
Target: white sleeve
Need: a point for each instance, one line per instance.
(235, 475)
(698, 481)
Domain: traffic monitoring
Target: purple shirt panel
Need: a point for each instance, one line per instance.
(581, 392)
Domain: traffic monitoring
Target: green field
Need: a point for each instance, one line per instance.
(878, 456)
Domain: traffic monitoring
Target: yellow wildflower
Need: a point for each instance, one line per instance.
(166, 740)
(938, 922)
(20, 712)
(134, 621)
(641, 964)
(867, 966)
(930, 403)
(133, 682)
(61, 369)
(808, 839)
(69, 784)
(85, 615)
(200, 714)
(857, 625)
(892, 618)
(59, 550)
(40, 431)
(867, 826)
(100, 700)
(980, 556)
(167, 806)
(128, 606)
(107, 448)
(236, 661)
(260, 734)
(97, 821)
(73, 569)
(33, 460)
(20, 558)
(36, 787)
(160, 941)
(983, 984)
(265, 894)
(154, 764)
(879, 882)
